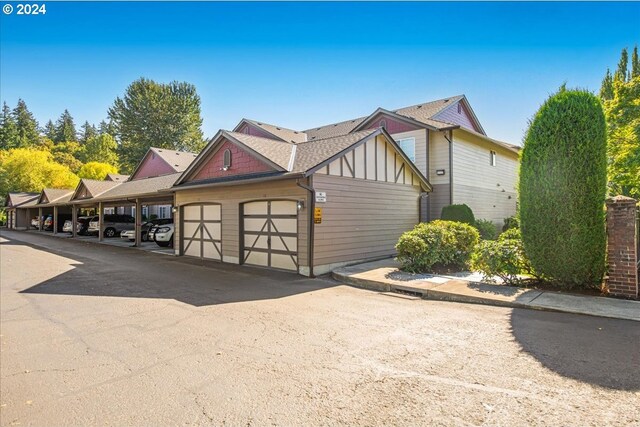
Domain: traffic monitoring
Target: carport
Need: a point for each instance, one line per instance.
(54, 202)
(137, 193)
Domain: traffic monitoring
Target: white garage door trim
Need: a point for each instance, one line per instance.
(269, 234)
(201, 230)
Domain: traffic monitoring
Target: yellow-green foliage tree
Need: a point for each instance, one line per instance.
(30, 169)
(96, 170)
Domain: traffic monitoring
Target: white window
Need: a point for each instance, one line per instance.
(492, 158)
(408, 145)
(162, 212)
(226, 159)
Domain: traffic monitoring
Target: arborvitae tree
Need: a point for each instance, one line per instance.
(26, 126)
(8, 131)
(156, 114)
(635, 63)
(606, 90)
(87, 131)
(65, 129)
(563, 178)
(621, 72)
(49, 130)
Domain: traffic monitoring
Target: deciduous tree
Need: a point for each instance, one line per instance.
(156, 114)
(96, 170)
(101, 148)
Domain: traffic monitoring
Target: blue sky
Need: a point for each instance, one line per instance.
(301, 65)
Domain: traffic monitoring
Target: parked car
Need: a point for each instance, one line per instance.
(114, 224)
(82, 225)
(131, 234)
(35, 222)
(163, 235)
(48, 222)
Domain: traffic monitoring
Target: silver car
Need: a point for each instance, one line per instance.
(113, 225)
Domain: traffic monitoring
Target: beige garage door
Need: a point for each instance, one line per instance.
(201, 231)
(270, 231)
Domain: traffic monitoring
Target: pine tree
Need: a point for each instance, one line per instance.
(8, 131)
(26, 126)
(106, 128)
(65, 129)
(635, 63)
(49, 130)
(621, 73)
(606, 90)
(88, 131)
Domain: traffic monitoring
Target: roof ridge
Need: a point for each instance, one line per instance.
(260, 123)
(446, 98)
(262, 138)
(339, 136)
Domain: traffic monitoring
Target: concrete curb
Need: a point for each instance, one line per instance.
(530, 299)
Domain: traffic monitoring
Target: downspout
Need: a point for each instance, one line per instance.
(427, 212)
(450, 139)
(310, 227)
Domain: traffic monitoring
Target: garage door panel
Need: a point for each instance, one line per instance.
(258, 242)
(283, 261)
(211, 213)
(192, 248)
(254, 224)
(190, 228)
(212, 230)
(211, 250)
(256, 258)
(285, 225)
(255, 208)
(284, 243)
(192, 212)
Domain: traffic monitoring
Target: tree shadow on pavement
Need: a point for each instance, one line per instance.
(596, 350)
(129, 273)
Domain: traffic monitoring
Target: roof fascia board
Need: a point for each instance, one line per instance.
(467, 105)
(395, 116)
(486, 138)
(254, 124)
(238, 182)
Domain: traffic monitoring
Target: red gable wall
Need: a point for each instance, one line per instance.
(152, 165)
(254, 131)
(392, 125)
(463, 118)
(242, 163)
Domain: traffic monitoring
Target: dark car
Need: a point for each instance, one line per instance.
(48, 222)
(113, 225)
(82, 225)
(144, 230)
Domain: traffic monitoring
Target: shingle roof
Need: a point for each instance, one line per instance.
(288, 135)
(22, 199)
(57, 195)
(116, 177)
(178, 160)
(421, 112)
(96, 187)
(279, 152)
(312, 153)
(139, 187)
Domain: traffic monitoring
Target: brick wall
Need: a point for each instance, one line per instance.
(241, 163)
(622, 247)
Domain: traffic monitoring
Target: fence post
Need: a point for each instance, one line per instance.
(622, 247)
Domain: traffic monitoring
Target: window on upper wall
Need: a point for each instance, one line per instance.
(492, 158)
(226, 159)
(459, 109)
(408, 145)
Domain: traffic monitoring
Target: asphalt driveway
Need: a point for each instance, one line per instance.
(99, 335)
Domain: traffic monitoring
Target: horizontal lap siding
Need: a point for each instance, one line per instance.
(361, 219)
(490, 191)
(420, 136)
(232, 196)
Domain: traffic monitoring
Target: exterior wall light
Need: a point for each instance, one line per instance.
(439, 172)
(300, 205)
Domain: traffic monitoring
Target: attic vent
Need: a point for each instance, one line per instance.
(295, 131)
(226, 159)
(259, 124)
(383, 123)
(459, 109)
(446, 100)
(419, 106)
(318, 128)
(278, 128)
(335, 125)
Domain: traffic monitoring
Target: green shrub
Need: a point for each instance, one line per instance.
(511, 222)
(512, 233)
(503, 258)
(562, 189)
(436, 245)
(487, 229)
(459, 213)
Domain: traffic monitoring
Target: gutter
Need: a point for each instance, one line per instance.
(310, 226)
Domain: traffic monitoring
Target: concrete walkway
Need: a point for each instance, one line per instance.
(385, 276)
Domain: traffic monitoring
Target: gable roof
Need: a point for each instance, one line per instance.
(178, 161)
(52, 195)
(279, 132)
(94, 188)
(302, 159)
(139, 187)
(18, 199)
(116, 177)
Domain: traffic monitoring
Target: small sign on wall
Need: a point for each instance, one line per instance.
(321, 197)
(317, 216)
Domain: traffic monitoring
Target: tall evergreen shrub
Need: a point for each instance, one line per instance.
(563, 177)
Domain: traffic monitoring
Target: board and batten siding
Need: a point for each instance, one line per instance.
(231, 197)
(490, 191)
(366, 211)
